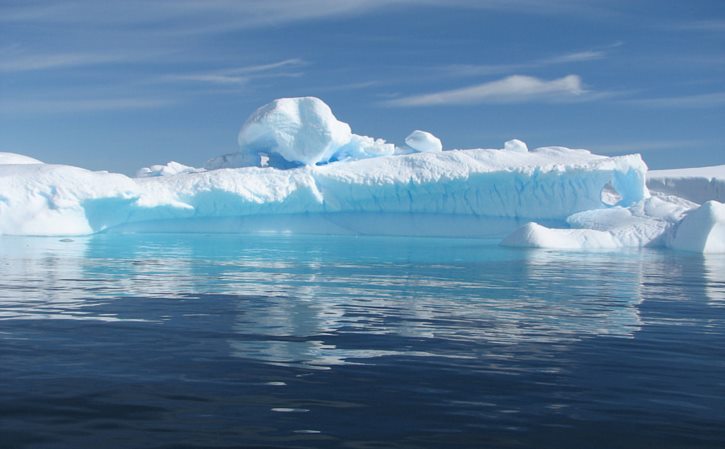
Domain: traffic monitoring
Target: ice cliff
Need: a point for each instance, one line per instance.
(299, 163)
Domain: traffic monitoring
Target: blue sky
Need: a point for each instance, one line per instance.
(121, 85)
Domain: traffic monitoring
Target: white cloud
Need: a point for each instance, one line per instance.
(581, 56)
(512, 89)
(497, 69)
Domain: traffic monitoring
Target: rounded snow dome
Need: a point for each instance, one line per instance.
(516, 145)
(423, 142)
(17, 159)
(302, 130)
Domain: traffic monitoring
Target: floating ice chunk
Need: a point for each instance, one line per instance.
(17, 159)
(171, 168)
(702, 230)
(300, 130)
(516, 145)
(534, 235)
(423, 141)
(646, 223)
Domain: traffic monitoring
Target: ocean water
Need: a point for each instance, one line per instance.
(289, 341)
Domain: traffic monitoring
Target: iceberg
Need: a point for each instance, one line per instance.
(302, 170)
(547, 183)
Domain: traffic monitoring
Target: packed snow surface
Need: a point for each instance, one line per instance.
(169, 169)
(16, 159)
(695, 184)
(423, 141)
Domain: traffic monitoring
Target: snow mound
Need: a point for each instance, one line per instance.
(300, 130)
(17, 159)
(516, 145)
(170, 169)
(702, 230)
(534, 235)
(695, 184)
(423, 141)
(652, 222)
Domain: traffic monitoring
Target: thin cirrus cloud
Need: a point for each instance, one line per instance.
(707, 100)
(220, 15)
(240, 76)
(463, 70)
(512, 89)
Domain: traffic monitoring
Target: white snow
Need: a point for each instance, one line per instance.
(653, 222)
(695, 184)
(702, 229)
(516, 145)
(423, 141)
(300, 130)
(169, 169)
(16, 159)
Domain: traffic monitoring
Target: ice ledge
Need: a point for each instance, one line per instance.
(545, 184)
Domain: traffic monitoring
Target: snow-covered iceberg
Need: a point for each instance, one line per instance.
(548, 183)
(299, 164)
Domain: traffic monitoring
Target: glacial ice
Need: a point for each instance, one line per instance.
(301, 169)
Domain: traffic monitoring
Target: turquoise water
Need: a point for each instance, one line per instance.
(225, 341)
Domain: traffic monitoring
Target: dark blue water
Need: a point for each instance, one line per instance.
(320, 342)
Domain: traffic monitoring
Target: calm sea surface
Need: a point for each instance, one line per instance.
(213, 341)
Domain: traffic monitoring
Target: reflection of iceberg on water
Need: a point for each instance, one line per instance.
(304, 326)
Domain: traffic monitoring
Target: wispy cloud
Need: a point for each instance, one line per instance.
(222, 15)
(240, 76)
(462, 70)
(512, 89)
(686, 101)
(580, 56)
(14, 58)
